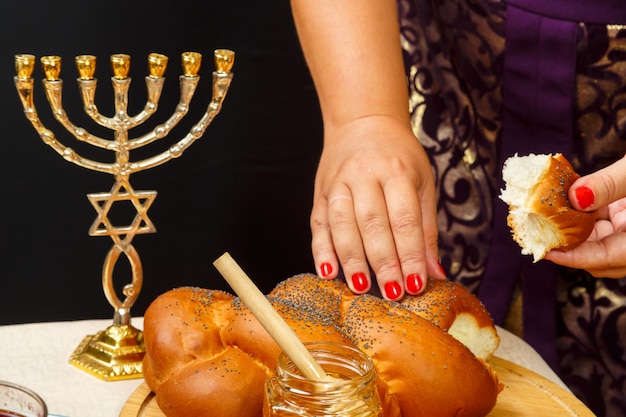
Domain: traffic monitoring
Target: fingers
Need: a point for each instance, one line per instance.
(322, 247)
(390, 231)
(600, 188)
(386, 230)
(336, 240)
(347, 241)
(617, 215)
(431, 232)
(374, 209)
(413, 227)
(601, 258)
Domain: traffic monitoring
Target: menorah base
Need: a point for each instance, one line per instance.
(113, 354)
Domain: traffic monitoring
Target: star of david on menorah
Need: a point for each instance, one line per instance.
(117, 352)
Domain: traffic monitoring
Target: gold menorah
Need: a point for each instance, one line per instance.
(117, 352)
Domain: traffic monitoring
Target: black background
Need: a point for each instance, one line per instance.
(245, 187)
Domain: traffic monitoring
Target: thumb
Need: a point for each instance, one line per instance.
(599, 188)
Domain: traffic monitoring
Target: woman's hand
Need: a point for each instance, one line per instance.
(374, 191)
(604, 252)
(375, 206)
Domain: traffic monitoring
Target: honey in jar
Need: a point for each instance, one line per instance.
(349, 392)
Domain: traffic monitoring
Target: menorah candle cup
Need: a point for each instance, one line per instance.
(191, 63)
(157, 64)
(51, 66)
(120, 64)
(86, 66)
(24, 66)
(224, 61)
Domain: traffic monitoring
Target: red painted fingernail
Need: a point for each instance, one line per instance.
(393, 290)
(414, 283)
(326, 269)
(359, 281)
(585, 197)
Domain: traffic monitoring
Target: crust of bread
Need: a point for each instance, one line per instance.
(426, 371)
(458, 312)
(229, 383)
(541, 216)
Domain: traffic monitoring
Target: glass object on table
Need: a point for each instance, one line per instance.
(351, 392)
(19, 401)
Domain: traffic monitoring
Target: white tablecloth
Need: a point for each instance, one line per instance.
(36, 356)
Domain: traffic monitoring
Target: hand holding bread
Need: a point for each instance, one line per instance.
(603, 254)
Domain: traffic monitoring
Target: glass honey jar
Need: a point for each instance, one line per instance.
(350, 392)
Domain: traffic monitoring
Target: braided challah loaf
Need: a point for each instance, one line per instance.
(207, 355)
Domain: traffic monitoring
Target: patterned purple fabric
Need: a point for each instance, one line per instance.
(455, 61)
(589, 11)
(538, 117)
(539, 76)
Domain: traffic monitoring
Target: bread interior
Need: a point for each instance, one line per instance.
(521, 175)
(535, 233)
(482, 341)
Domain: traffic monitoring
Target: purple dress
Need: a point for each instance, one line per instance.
(459, 69)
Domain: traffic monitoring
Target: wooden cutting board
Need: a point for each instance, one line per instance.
(525, 394)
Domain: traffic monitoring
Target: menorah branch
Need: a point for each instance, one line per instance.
(221, 83)
(121, 120)
(187, 89)
(154, 87)
(25, 91)
(54, 94)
